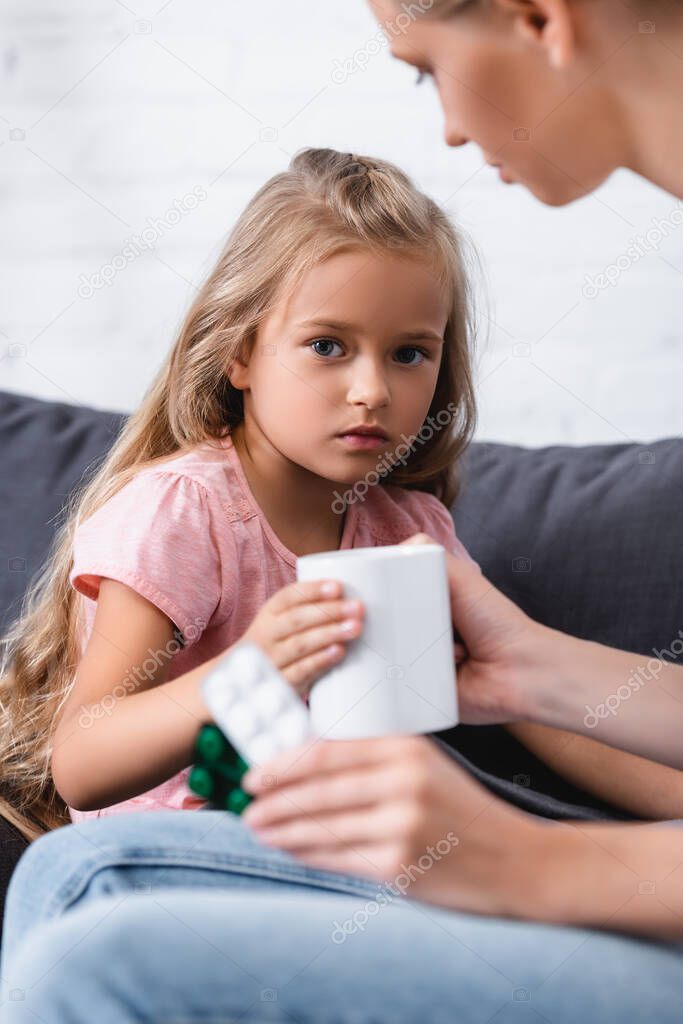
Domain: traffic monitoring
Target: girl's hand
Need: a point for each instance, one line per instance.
(505, 658)
(303, 629)
(395, 809)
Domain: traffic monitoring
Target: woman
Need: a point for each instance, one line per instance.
(557, 93)
(512, 910)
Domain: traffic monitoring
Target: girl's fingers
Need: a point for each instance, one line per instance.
(301, 645)
(358, 787)
(305, 616)
(321, 757)
(459, 652)
(304, 592)
(302, 674)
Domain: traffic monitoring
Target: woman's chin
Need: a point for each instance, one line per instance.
(554, 194)
(562, 191)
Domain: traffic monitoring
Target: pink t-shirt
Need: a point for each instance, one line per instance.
(188, 535)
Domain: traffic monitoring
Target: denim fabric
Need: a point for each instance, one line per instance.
(184, 917)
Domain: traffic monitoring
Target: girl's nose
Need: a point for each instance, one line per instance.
(368, 386)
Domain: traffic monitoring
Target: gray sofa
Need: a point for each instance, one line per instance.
(587, 540)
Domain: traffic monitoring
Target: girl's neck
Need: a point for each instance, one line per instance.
(297, 504)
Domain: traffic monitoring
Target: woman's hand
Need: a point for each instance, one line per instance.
(398, 810)
(500, 662)
(303, 629)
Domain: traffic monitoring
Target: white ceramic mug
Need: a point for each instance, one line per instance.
(398, 676)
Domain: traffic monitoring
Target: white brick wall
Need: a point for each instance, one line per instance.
(127, 107)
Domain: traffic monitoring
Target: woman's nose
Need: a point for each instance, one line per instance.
(453, 137)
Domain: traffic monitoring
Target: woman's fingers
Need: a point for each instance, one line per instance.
(459, 653)
(357, 787)
(366, 859)
(420, 538)
(331, 830)
(320, 757)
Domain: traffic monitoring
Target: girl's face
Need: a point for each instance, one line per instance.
(551, 128)
(358, 342)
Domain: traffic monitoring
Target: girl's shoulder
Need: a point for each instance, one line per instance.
(205, 472)
(205, 463)
(164, 506)
(163, 534)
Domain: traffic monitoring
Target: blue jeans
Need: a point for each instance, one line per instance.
(179, 917)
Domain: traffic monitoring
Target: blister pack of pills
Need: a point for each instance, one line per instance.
(257, 715)
(256, 708)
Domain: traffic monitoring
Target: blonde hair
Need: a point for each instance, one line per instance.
(324, 202)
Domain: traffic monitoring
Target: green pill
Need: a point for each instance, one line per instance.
(211, 744)
(201, 781)
(237, 801)
(229, 772)
(218, 770)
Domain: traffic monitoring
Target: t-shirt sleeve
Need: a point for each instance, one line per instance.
(437, 521)
(157, 535)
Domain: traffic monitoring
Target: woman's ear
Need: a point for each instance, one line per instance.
(548, 23)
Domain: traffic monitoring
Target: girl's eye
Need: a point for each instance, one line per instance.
(330, 341)
(411, 348)
(323, 341)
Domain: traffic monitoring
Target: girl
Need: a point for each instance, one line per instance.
(318, 396)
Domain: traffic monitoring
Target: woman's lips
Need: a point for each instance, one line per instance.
(504, 175)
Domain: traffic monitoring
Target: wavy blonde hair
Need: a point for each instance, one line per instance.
(324, 202)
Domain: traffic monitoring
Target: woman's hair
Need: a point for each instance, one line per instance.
(325, 202)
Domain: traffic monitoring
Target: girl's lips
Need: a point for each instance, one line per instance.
(362, 442)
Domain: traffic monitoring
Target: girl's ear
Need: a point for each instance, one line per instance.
(238, 375)
(238, 371)
(548, 23)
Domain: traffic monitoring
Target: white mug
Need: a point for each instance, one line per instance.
(398, 676)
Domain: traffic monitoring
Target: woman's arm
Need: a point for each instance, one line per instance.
(630, 701)
(642, 787)
(124, 730)
(518, 670)
(400, 811)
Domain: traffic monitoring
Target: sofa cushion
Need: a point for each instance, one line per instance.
(588, 540)
(45, 447)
